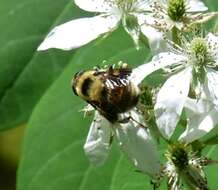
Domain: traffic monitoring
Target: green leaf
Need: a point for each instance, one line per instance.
(211, 170)
(53, 156)
(25, 74)
(212, 5)
(209, 26)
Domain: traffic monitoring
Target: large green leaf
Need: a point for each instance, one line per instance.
(25, 73)
(212, 5)
(53, 156)
(211, 170)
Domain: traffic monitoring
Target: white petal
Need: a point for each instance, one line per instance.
(199, 125)
(142, 5)
(212, 39)
(212, 85)
(156, 40)
(213, 43)
(146, 19)
(137, 144)
(195, 106)
(170, 101)
(97, 144)
(196, 6)
(160, 61)
(94, 5)
(78, 32)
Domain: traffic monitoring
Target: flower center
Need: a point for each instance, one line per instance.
(176, 9)
(199, 51)
(179, 157)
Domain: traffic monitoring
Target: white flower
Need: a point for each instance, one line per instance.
(193, 67)
(185, 167)
(178, 13)
(78, 32)
(135, 141)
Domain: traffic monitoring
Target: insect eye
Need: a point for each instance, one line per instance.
(86, 86)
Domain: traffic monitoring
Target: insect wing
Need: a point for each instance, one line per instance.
(97, 144)
(114, 83)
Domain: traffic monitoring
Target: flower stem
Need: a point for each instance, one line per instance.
(175, 36)
(144, 40)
